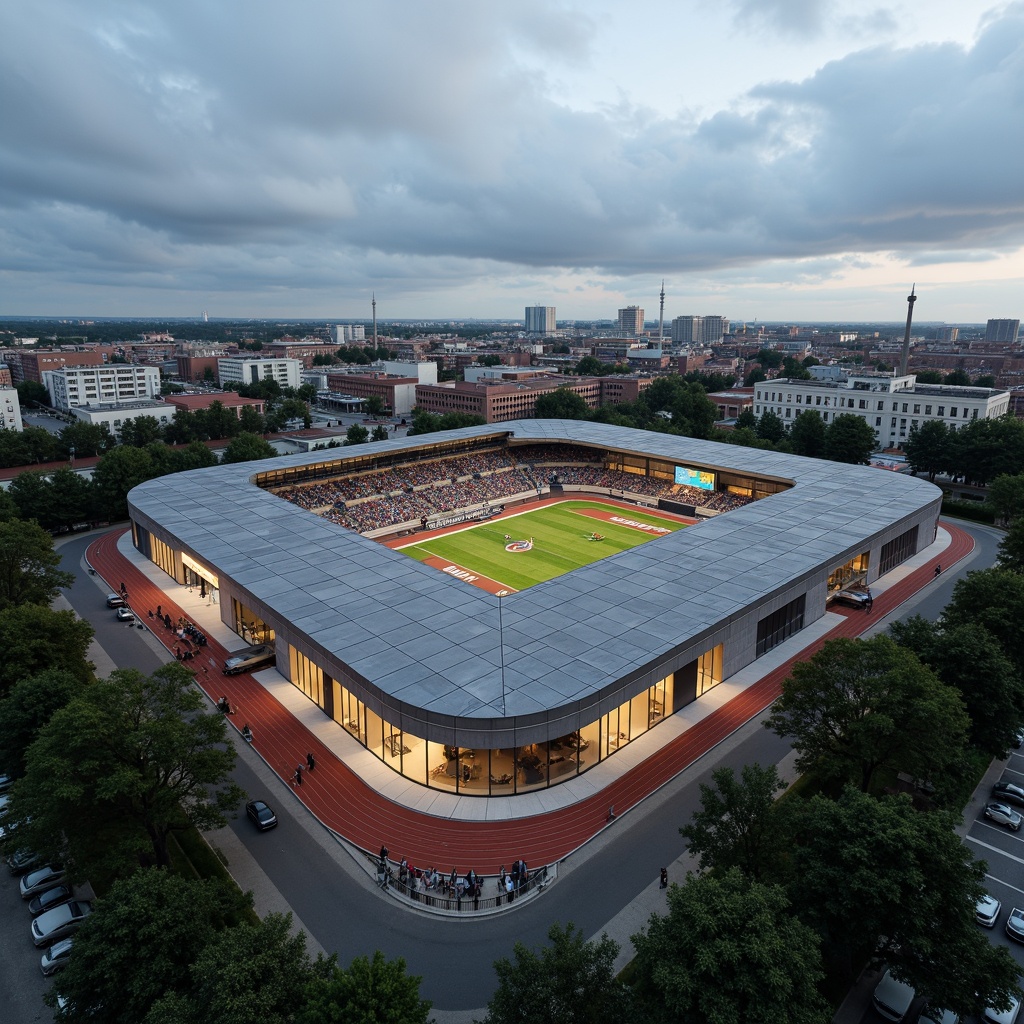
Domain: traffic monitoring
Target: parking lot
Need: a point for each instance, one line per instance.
(21, 980)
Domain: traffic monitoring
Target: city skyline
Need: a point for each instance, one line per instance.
(152, 165)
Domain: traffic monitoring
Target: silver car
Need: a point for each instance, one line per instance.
(56, 957)
(60, 922)
(40, 880)
(991, 1016)
(1003, 814)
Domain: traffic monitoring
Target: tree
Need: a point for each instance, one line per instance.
(31, 392)
(994, 600)
(248, 448)
(35, 638)
(878, 879)
(87, 439)
(195, 455)
(849, 438)
(807, 435)
(123, 766)
(572, 981)
(244, 974)
(220, 421)
(928, 448)
(746, 419)
(589, 366)
(1011, 547)
(859, 705)
(957, 378)
(250, 421)
(141, 430)
(970, 659)
(356, 434)
(380, 433)
(26, 709)
(984, 380)
(769, 359)
(755, 376)
(770, 427)
(1006, 496)
(736, 825)
(376, 991)
(34, 499)
(140, 943)
(929, 377)
(375, 406)
(562, 404)
(729, 949)
(116, 474)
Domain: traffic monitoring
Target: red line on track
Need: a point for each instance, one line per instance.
(347, 805)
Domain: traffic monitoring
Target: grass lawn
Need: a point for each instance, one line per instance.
(560, 542)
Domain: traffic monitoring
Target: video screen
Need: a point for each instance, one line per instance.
(701, 478)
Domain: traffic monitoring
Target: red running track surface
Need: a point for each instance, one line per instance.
(348, 806)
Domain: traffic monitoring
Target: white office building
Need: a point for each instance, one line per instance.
(890, 404)
(10, 409)
(72, 386)
(699, 330)
(345, 334)
(117, 415)
(287, 372)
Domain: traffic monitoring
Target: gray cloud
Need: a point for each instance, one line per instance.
(177, 149)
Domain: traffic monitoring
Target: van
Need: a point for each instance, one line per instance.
(249, 659)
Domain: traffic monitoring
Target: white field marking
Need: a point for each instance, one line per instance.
(994, 849)
(1005, 885)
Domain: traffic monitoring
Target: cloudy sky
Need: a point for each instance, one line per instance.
(770, 159)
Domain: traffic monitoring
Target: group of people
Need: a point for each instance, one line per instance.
(300, 768)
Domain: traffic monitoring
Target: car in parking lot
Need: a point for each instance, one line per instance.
(986, 912)
(125, 614)
(892, 998)
(930, 1016)
(260, 815)
(114, 600)
(853, 598)
(1015, 924)
(21, 861)
(41, 879)
(5, 783)
(60, 922)
(1008, 793)
(49, 899)
(56, 957)
(1003, 814)
(991, 1016)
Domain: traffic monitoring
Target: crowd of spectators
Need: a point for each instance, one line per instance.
(404, 494)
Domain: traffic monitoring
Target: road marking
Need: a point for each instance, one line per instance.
(995, 849)
(1005, 885)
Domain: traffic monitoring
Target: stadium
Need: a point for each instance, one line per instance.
(496, 610)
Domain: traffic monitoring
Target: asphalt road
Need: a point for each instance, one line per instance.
(345, 914)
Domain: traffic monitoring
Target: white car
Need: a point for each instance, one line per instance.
(56, 957)
(125, 614)
(991, 1016)
(60, 922)
(986, 912)
(1015, 924)
(1003, 814)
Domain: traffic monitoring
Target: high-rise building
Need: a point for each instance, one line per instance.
(631, 321)
(699, 330)
(540, 319)
(1002, 330)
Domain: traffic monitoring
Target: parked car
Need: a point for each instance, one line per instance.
(49, 899)
(41, 879)
(1008, 793)
(60, 922)
(5, 801)
(5, 783)
(853, 598)
(125, 614)
(991, 1016)
(249, 659)
(892, 998)
(21, 861)
(1003, 814)
(986, 912)
(56, 957)
(260, 815)
(931, 1016)
(1015, 924)
(114, 600)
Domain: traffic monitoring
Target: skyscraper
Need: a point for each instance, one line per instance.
(699, 330)
(1002, 330)
(631, 321)
(540, 319)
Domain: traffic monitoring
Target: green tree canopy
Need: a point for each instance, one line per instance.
(31, 392)
(729, 949)
(876, 878)
(26, 709)
(140, 942)
(957, 378)
(116, 474)
(356, 434)
(87, 439)
(928, 448)
(34, 638)
(380, 433)
(370, 991)
(572, 981)
(1006, 496)
(248, 448)
(562, 404)
(129, 761)
(770, 427)
(994, 600)
(807, 434)
(928, 377)
(736, 825)
(849, 438)
(375, 406)
(859, 705)
(141, 430)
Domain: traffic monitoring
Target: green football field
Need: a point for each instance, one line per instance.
(560, 542)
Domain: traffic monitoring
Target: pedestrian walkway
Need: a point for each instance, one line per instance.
(357, 796)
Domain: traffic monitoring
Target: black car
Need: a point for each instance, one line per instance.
(1009, 793)
(114, 601)
(260, 815)
(49, 899)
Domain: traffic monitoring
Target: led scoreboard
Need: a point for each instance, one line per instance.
(701, 478)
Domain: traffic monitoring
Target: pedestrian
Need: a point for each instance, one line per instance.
(298, 775)
(310, 763)
(403, 869)
(938, 569)
(871, 601)
(124, 589)
(383, 852)
(177, 653)
(664, 878)
(452, 880)
(150, 613)
(509, 889)
(159, 612)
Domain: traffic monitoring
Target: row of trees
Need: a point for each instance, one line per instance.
(978, 452)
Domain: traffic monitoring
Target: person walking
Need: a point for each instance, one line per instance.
(310, 763)
(938, 569)
(298, 775)
(664, 878)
